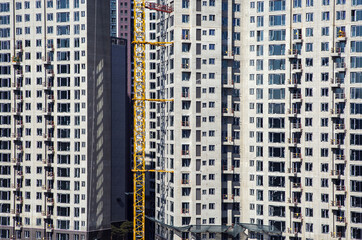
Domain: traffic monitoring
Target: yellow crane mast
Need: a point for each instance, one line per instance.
(139, 121)
(139, 112)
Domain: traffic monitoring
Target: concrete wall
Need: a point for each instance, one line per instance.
(99, 118)
(121, 122)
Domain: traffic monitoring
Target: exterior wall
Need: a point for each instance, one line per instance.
(99, 124)
(316, 173)
(57, 169)
(200, 147)
(121, 158)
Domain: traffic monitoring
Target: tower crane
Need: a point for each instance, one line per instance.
(139, 112)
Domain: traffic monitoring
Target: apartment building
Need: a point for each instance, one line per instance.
(301, 117)
(55, 86)
(197, 134)
(265, 126)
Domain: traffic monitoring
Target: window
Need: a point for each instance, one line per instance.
(325, 16)
(309, 32)
(324, 152)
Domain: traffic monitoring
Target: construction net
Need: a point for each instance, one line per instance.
(237, 228)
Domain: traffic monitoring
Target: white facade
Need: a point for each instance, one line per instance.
(53, 80)
(301, 118)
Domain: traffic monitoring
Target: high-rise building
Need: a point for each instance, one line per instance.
(55, 120)
(196, 135)
(301, 117)
(121, 27)
(265, 126)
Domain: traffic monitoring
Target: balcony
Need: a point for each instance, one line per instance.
(19, 98)
(338, 235)
(185, 36)
(50, 47)
(335, 174)
(228, 197)
(340, 189)
(293, 172)
(293, 201)
(297, 216)
(16, 61)
(47, 137)
(336, 113)
(16, 187)
(335, 52)
(228, 141)
(297, 186)
(16, 86)
(16, 161)
(50, 72)
(47, 85)
(340, 97)
(185, 211)
(293, 83)
(19, 72)
(292, 142)
(185, 181)
(185, 152)
(297, 67)
(185, 95)
(16, 136)
(297, 155)
(228, 112)
(340, 67)
(19, 123)
(49, 228)
(185, 123)
(19, 174)
(340, 128)
(18, 226)
(297, 97)
(19, 199)
(227, 169)
(46, 188)
(47, 111)
(336, 82)
(20, 148)
(292, 53)
(17, 110)
(340, 157)
(341, 220)
(50, 98)
(51, 149)
(293, 112)
(46, 214)
(297, 38)
(336, 205)
(228, 55)
(50, 201)
(19, 48)
(50, 175)
(46, 60)
(47, 162)
(296, 127)
(228, 84)
(341, 36)
(336, 143)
